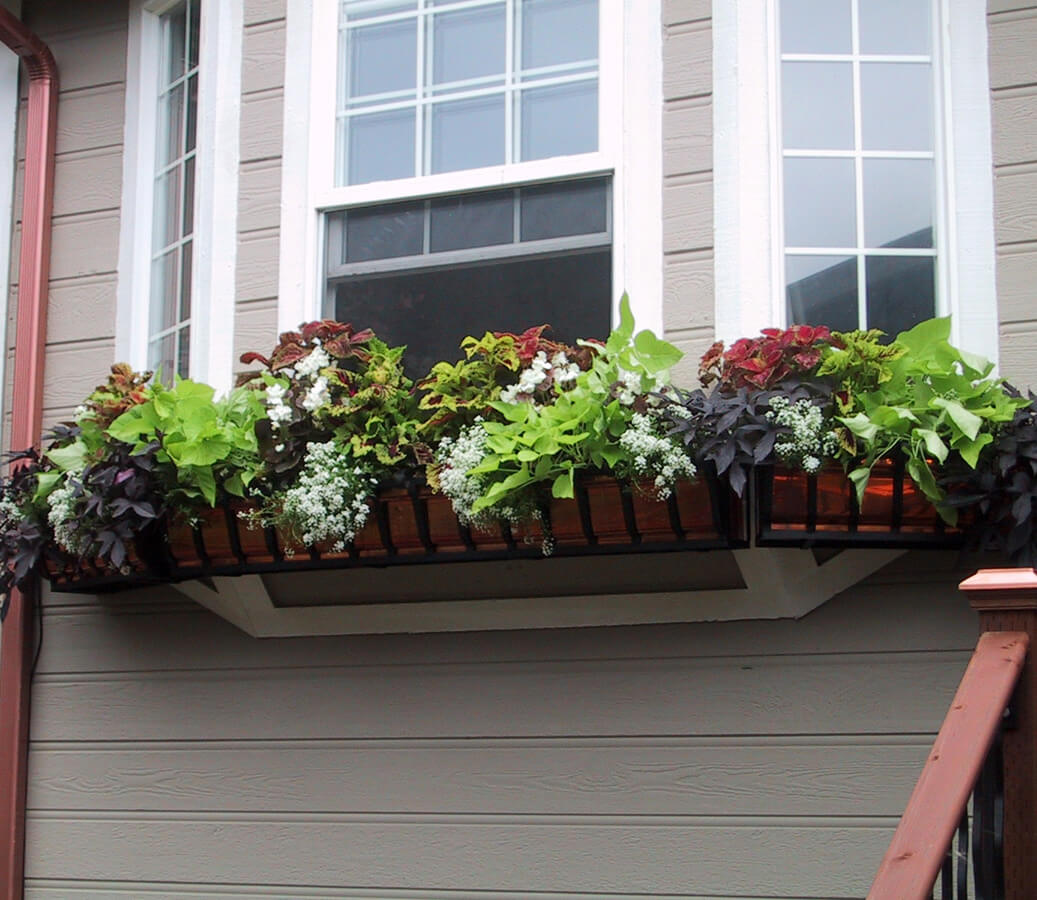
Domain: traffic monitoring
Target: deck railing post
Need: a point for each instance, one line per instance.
(1006, 600)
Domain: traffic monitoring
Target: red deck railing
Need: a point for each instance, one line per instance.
(938, 809)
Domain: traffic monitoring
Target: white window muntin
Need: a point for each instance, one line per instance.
(629, 148)
(747, 171)
(861, 248)
(216, 187)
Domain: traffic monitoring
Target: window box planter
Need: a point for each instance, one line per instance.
(413, 525)
(799, 510)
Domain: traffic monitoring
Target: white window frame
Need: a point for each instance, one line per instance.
(216, 188)
(630, 150)
(747, 168)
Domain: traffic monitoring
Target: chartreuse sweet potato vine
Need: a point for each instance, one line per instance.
(330, 415)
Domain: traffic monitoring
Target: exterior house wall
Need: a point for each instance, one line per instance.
(172, 756)
(1013, 82)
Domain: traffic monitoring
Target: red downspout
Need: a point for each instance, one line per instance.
(16, 637)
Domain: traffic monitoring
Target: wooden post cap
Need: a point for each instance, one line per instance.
(991, 589)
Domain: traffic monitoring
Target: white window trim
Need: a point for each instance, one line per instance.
(630, 129)
(10, 66)
(216, 188)
(747, 185)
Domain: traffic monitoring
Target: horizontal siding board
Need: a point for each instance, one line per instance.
(257, 266)
(255, 328)
(687, 215)
(74, 370)
(1012, 60)
(259, 192)
(677, 11)
(81, 310)
(262, 126)
(649, 697)
(549, 778)
(101, 640)
(90, 58)
(1016, 205)
(1018, 357)
(688, 294)
(81, 245)
(687, 137)
(257, 11)
(263, 51)
(687, 62)
(89, 119)
(1014, 119)
(83, 182)
(1015, 284)
(822, 861)
(685, 373)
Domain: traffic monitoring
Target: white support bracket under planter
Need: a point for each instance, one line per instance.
(778, 584)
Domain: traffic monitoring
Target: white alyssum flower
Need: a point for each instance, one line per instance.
(810, 438)
(655, 455)
(628, 387)
(330, 500)
(317, 395)
(277, 410)
(310, 365)
(455, 460)
(64, 518)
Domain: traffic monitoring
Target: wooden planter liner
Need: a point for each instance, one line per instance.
(412, 525)
(796, 509)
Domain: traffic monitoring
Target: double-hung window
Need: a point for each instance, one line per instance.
(854, 182)
(178, 230)
(456, 166)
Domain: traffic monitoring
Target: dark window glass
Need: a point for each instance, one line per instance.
(822, 290)
(552, 210)
(384, 232)
(472, 220)
(432, 311)
(901, 291)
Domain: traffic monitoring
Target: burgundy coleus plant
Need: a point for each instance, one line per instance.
(762, 362)
(339, 340)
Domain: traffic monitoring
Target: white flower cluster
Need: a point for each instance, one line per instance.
(541, 375)
(455, 459)
(656, 456)
(628, 387)
(64, 519)
(277, 410)
(811, 438)
(317, 395)
(310, 365)
(329, 502)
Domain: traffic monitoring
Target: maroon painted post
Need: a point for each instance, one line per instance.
(1006, 600)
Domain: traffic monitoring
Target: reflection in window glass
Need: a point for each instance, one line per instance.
(427, 89)
(169, 303)
(859, 162)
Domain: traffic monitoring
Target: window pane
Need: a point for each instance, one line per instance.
(195, 14)
(188, 197)
(559, 121)
(896, 106)
(822, 290)
(186, 253)
(901, 291)
(820, 205)
(191, 131)
(382, 58)
(170, 126)
(895, 26)
(468, 134)
(174, 43)
(183, 352)
(472, 220)
(898, 202)
(431, 312)
(381, 146)
(162, 357)
(558, 31)
(468, 44)
(384, 232)
(552, 210)
(817, 105)
(164, 290)
(167, 209)
(815, 26)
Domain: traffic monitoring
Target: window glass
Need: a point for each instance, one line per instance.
(169, 313)
(429, 88)
(428, 272)
(858, 162)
